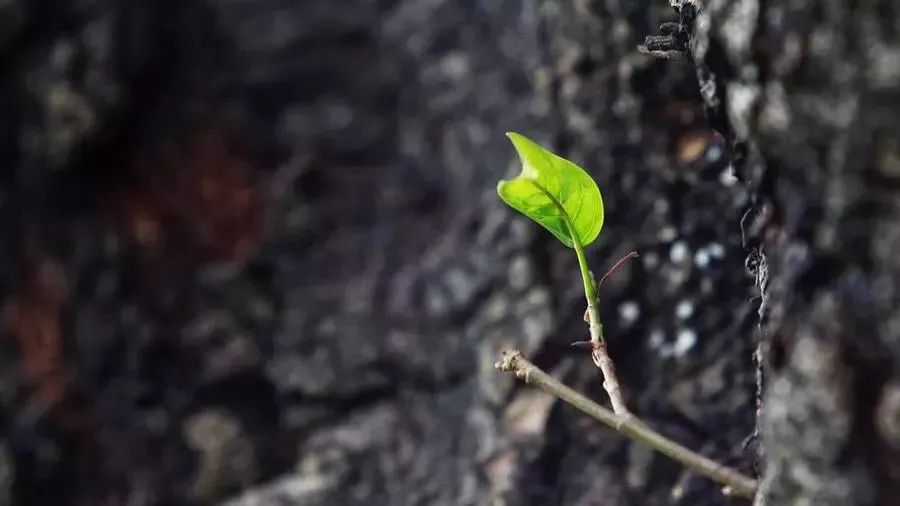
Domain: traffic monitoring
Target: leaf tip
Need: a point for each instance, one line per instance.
(517, 139)
(528, 152)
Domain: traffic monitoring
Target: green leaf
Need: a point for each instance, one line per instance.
(554, 192)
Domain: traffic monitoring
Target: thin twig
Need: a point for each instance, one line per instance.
(605, 363)
(615, 267)
(734, 482)
(598, 347)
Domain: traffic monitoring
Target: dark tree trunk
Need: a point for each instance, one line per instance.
(811, 93)
(252, 253)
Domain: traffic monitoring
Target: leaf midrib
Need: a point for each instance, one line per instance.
(562, 211)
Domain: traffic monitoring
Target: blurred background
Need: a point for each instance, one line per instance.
(252, 252)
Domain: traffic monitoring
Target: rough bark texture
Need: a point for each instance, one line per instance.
(251, 251)
(808, 92)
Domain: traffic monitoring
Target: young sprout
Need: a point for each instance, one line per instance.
(563, 198)
(558, 195)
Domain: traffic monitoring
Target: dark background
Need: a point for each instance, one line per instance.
(252, 252)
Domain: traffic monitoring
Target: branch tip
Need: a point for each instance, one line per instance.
(508, 361)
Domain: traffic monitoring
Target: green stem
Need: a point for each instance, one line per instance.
(598, 353)
(590, 290)
(734, 482)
